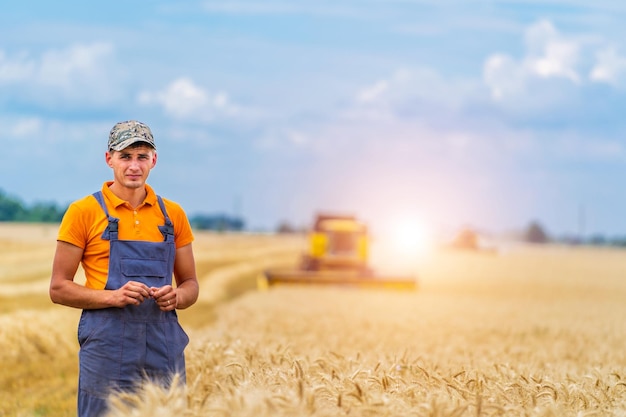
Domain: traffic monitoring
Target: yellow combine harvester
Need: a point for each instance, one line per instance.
(337, 254)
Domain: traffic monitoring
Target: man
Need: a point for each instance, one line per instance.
(130, 243)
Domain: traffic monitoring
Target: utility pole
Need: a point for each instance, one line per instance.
(581, 222)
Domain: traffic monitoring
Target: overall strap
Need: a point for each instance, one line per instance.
(110, 233)
(167, 230)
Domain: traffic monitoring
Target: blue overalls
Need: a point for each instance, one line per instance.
(120, 347)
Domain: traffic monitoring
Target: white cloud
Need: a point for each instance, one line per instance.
(84, 73)
(373, 92)
(550, 54)
(184, 100)
(16, 69)
(296, 137)
(545, 85)
(78, 63)
(53, 136)
(551, 57)
(610, 68)
(27, 128)
(503, 75)
(413, 93)
(286, 138)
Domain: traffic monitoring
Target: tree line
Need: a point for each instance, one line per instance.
(13, 209)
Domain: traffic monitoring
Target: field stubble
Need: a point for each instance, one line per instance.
(534, 331)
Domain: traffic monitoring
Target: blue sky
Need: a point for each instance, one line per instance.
(484, 113)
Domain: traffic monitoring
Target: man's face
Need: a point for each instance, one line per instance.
(131, 166)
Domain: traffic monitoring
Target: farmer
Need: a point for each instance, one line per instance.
(130, 242)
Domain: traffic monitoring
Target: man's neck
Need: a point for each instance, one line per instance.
(134, 196)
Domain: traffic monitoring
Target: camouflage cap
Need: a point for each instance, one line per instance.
(126, 133)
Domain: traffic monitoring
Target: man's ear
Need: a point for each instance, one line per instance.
(107, 157)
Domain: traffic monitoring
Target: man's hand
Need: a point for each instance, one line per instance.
(131, 293)
(165, 297)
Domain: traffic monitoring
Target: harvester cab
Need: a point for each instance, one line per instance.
(336, 242)
(337, 253)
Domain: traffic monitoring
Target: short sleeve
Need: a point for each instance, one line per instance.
(72, 229)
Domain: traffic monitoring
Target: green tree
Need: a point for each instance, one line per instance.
(14, 210)
(45, 212)
(11, 208)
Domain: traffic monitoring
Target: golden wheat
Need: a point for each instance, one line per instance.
(527, 332)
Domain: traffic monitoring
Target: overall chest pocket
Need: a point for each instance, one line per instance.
(134, 268)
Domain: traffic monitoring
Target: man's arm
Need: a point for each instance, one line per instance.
(186, 281)
(63, 289)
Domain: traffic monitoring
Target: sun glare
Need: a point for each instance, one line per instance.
(411, 236)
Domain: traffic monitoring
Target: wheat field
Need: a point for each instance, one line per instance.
(524, 331)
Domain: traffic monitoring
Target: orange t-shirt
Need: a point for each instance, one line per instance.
(85, 221)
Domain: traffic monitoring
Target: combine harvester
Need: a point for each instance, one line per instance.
(337, 254)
